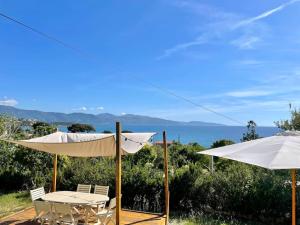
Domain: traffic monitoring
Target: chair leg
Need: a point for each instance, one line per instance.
(107, 220)
(102, 220)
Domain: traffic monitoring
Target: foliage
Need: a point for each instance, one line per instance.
(81, 128)
(43, 128)
(234, 189)
(220, 163)
(251, 132)
(221, 143)
(9, 126)
(106, 132)
(13, 202)
(207, 219)
(292, 124)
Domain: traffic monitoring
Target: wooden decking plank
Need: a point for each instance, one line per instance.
(127, 218)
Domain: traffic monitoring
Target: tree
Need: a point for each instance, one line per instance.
(127, 131)
(292, 124)
(107, 132)
(251, 132)
(216, 162)
(81, 128)
(10, 127)
(221, 143)
(43, 128)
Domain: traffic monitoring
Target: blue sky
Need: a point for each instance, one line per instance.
(239, 59)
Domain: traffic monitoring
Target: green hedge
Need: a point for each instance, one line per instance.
(234, 189)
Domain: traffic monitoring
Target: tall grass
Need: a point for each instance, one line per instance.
(13, 202)
(202, 219)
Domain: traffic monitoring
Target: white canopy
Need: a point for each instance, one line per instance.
(281, 151)
(86, 144)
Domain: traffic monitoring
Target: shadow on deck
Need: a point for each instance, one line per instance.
(127, 218)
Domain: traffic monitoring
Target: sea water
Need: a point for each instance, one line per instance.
(204, 135)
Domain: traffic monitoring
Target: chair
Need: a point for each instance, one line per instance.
(38, 193)
(43, 212)
(101, 190)
(107, 215)
(64, 214)
(84, 188)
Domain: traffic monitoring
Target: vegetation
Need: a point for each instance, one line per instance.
(292, 124)
(234, 190)
(204, 219)
(106, 132)
(13, 202)
(42, 128)
(221, 143)
(251, 132)
(81, 128)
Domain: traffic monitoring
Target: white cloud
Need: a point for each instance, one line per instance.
(250, 62)
(8, 102)
(181, 47)
(246, 42)
(123, 113)
(223, 23)
(249, 93)
(264, 14)
(82, 108)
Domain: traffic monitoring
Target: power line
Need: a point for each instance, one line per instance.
(47, 36)
(191, 102)
(83, 53)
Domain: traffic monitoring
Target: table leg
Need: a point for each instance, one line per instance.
(87, 214)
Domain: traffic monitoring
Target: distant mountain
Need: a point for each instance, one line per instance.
(100, 119)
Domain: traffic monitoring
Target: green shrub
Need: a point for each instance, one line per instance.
(234, 189)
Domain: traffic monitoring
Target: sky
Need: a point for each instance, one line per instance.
(240, 60)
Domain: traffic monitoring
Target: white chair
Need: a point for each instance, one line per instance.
(43, 212)
(64, 214)
(107, 215)
(84, 188)
(101, 190)
(38, 193)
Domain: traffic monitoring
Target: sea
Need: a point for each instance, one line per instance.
(203, 135)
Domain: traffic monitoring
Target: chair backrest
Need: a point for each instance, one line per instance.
(62, 209)
(101, 190)
(42, 207)
(37, 193)
(84, 188)
(112, 203)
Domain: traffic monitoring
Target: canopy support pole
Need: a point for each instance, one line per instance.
(54, 173)
(167, 193)
(212, 164)
(118, 173)
(293, 171)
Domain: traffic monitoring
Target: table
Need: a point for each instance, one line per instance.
(74, 198)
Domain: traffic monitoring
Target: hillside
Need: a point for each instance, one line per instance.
(100, 119)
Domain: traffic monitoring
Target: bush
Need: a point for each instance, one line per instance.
(234, 189)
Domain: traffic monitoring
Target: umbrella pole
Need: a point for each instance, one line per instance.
(293, 171)
(54, 173)
(118, 173)
(167, 194)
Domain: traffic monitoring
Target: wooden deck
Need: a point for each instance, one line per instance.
(127, 218)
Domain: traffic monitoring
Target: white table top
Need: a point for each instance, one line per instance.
(76, 198)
